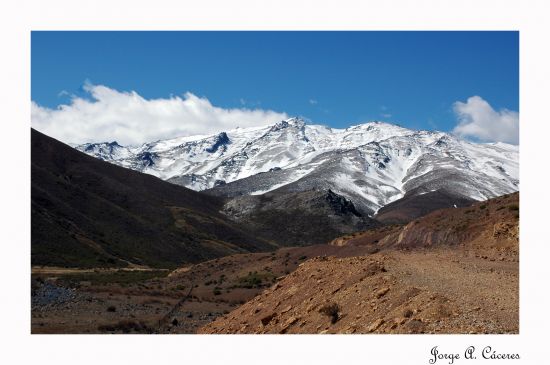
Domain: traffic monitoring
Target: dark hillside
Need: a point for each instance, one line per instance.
(89, 213)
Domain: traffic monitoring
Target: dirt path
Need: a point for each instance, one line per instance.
(484, 288)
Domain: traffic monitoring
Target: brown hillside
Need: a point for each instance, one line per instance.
(453, 271)
(490, 224)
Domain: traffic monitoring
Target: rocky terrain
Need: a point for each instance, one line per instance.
(159, 301)
(452, 271)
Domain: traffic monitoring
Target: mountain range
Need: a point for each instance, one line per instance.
(373, 228)
(380, 170)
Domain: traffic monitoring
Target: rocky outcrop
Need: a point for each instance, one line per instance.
(340, 205)
(220, 141)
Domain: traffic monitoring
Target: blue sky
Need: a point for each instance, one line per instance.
(333, 78)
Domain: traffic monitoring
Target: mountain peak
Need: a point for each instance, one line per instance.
(296, 122)
(376, 124)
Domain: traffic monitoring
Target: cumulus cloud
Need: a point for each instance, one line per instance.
(477, 119)
(130, 119)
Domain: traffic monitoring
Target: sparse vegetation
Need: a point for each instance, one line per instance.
(126, 326)
(255, 279)
(121, 277)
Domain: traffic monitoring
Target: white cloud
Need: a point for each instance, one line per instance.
(312, 101)
(131, 119)
(477, 119)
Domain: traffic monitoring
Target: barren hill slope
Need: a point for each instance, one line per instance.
(491, 224)
(453, 271)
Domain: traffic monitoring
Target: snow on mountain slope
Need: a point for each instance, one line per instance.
(372, 164)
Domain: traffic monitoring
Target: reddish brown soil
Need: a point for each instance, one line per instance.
(453, 271)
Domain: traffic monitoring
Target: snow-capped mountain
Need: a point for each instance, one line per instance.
(371, 164)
